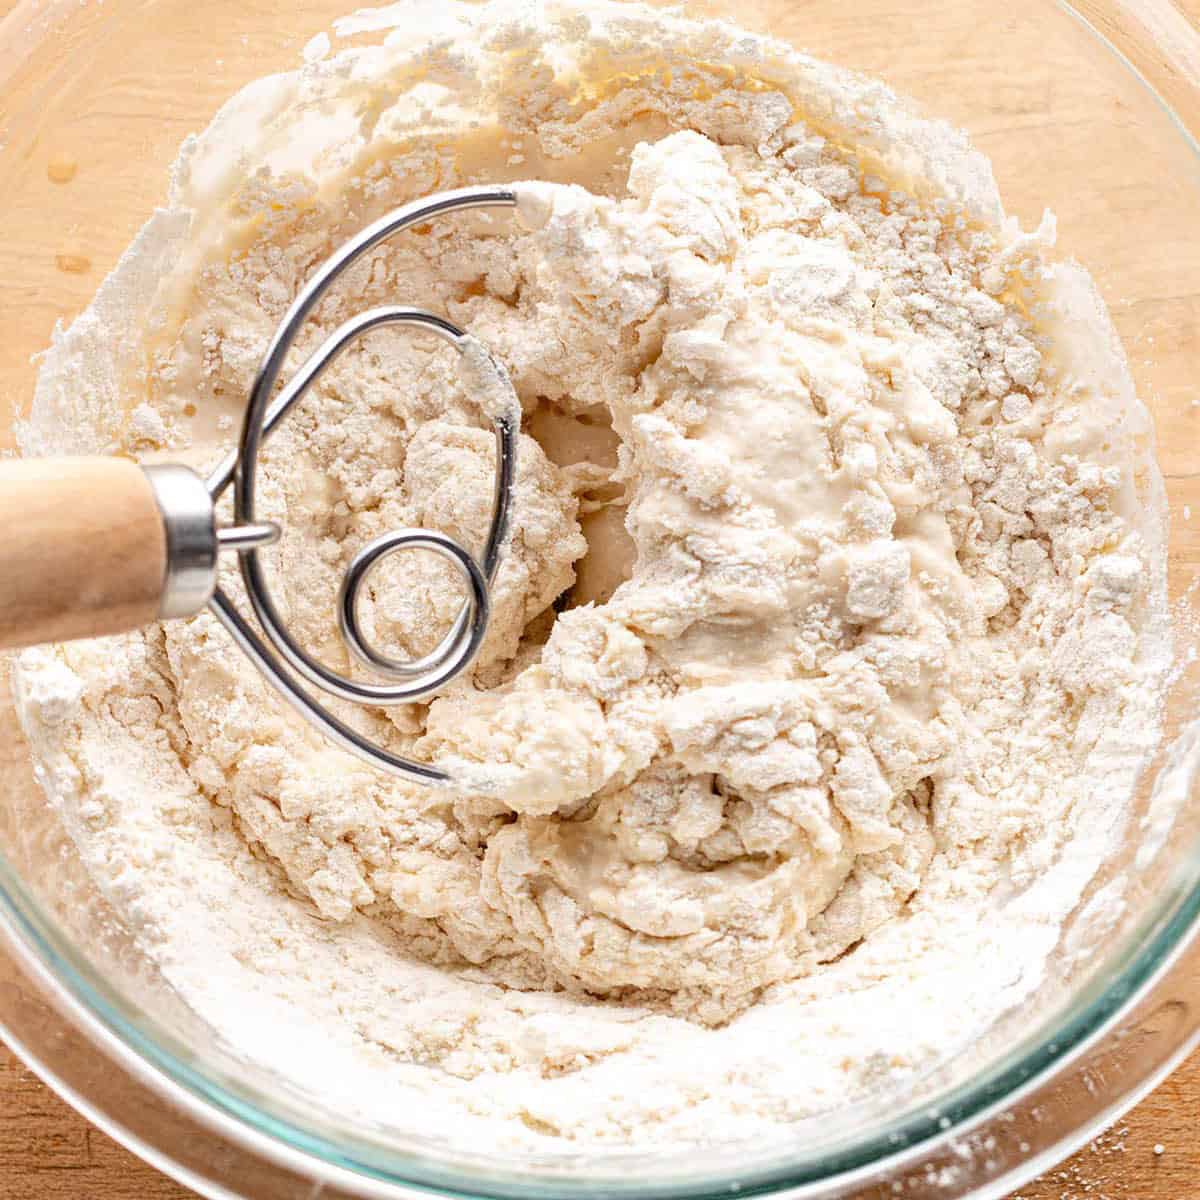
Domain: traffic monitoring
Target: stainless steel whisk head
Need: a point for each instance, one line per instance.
(281, 660)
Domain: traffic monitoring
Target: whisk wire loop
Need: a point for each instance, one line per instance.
(283, 659)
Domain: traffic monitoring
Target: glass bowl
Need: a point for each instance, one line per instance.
(1092, 109)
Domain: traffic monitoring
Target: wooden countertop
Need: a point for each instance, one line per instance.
(48, 1152)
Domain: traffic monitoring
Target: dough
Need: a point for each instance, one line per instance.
(828, 571)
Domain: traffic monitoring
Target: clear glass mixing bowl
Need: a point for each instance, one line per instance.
(1091, 109)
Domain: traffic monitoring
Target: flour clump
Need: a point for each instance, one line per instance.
(830, 590)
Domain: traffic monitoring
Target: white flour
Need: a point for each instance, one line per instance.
(826, 650)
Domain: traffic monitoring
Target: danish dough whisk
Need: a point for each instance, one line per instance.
(101, 545)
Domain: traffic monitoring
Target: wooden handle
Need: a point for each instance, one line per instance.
(83, 551)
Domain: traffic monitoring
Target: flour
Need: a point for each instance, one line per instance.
(827, 645)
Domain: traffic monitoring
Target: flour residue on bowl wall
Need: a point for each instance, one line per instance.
(792, 805)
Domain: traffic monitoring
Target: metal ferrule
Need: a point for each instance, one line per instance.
(189, 521)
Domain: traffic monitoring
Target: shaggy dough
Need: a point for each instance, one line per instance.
(827, 569)
(729, 771)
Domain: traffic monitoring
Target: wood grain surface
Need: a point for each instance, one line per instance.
(48, 1152)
